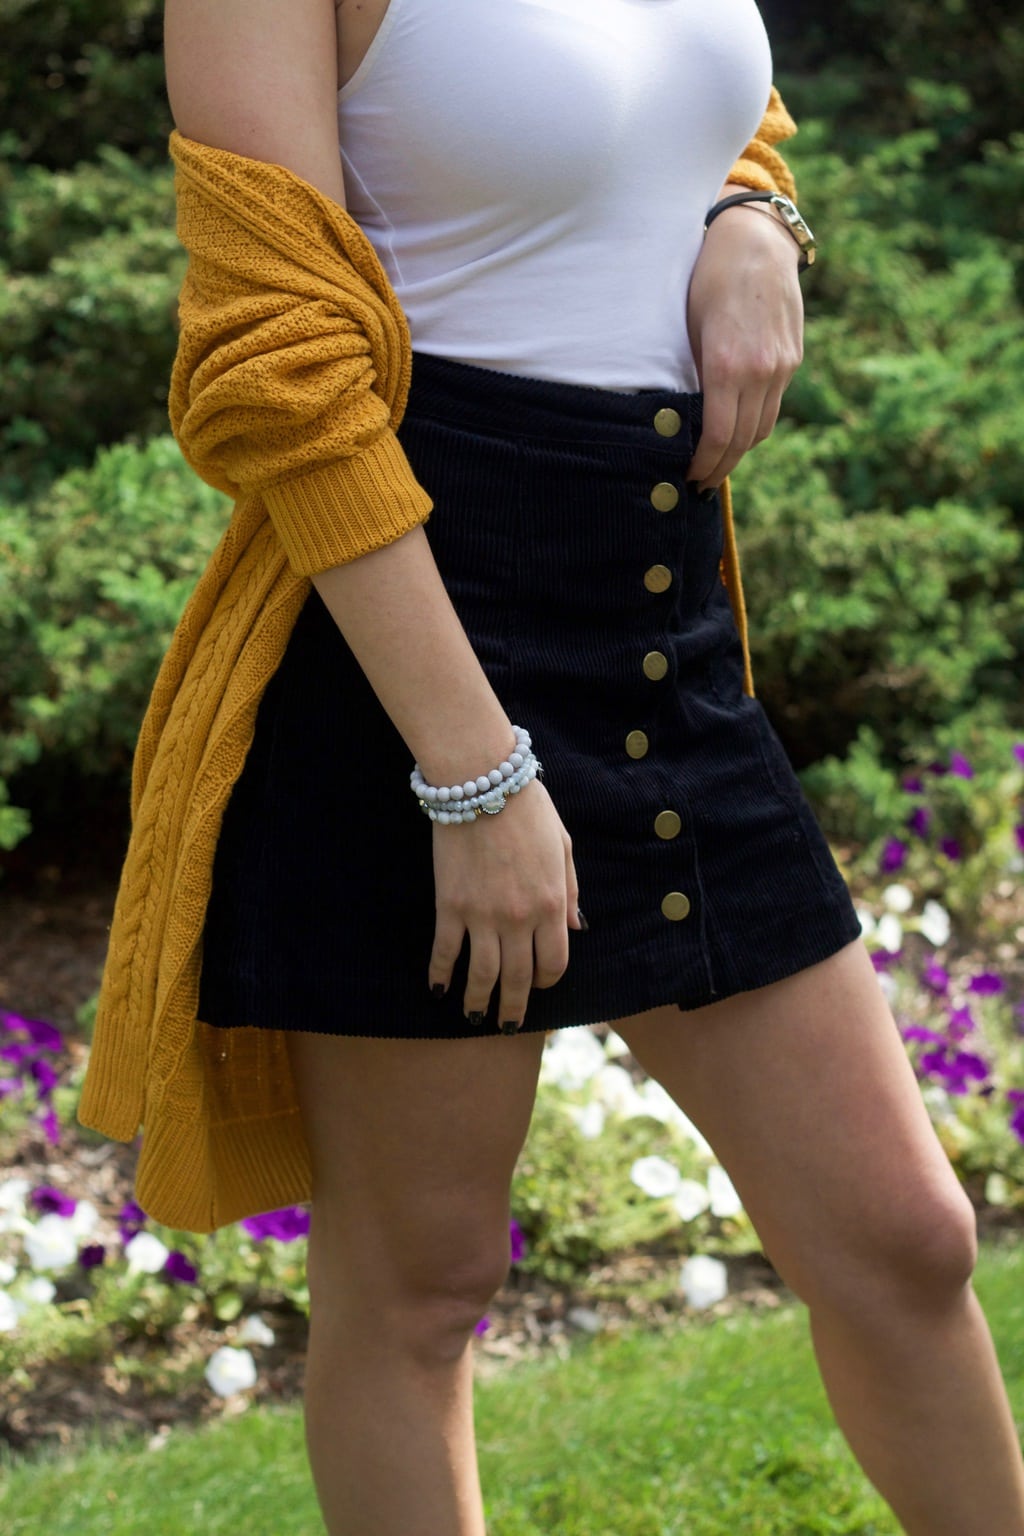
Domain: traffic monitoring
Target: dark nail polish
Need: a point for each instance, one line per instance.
(437, 990)
(476, 1019)
(584, 925)
(708, 494)
(510, 1027)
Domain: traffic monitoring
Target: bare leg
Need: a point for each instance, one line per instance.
(413, 1146)
(804, 1090)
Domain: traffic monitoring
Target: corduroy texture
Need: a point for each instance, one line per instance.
(291, 378)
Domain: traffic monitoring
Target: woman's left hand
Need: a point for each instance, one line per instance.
(745, 317)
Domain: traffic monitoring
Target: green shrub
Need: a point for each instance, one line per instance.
(93, 578)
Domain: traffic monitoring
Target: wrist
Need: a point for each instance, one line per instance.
(466, 753)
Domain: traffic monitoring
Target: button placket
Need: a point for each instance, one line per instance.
(666, 823)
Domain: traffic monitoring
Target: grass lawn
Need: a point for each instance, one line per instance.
(717, 1427)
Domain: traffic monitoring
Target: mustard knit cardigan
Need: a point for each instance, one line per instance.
(290, 380)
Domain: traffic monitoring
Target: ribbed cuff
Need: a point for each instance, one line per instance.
(347, 508)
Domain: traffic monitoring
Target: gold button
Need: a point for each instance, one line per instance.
(675, 905)
(658, 578)
(655, 665)
(637, 744)
(667, 824)
(664, 496)
(667, 421)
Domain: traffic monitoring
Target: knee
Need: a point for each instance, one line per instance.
(919, 1257)
(425, 1304)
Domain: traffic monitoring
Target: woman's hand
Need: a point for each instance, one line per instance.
(509, 882)
(745, 319)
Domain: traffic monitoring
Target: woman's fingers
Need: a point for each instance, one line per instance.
(486, 964)
(448, 934)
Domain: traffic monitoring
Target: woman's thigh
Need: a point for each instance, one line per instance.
(413, 1144)
(807, 1096)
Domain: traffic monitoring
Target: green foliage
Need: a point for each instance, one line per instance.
(93, 577)
(76, 74)
(87, 313)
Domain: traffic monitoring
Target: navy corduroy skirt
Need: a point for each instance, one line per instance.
(584, 569)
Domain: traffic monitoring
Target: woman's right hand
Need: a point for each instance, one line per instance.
(509, 882)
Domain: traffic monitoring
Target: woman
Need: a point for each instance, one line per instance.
(589, 366)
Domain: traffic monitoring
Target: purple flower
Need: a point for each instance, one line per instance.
(46, 1198)
(935, 976)
(131, 1218)
(919, 1032)
(1017, 1122)
(46, 1078)
(985, 983)
(881, 959)
(286, 1224)
(937, 768)
(920, 820)
(959, 765)
(956, 1069)
(91, 1255)
(17, 1052)
(10, 1085)
(51, 1127)
(1018, 833)
(179, 1268)
(913, 784)
(483, 1325)
(950, 847)
(961, 1022)
(517, 1241)
(45, 1036)
(1018, 752)
(1015, 1095)
(893, 855)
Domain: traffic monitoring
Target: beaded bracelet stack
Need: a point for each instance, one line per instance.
(483, 796)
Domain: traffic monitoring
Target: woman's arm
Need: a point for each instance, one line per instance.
(745, 309)
(259, 78)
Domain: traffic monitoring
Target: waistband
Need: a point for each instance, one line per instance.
(516, 405)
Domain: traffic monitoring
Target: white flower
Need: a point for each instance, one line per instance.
(83, 1219)
(12, 1195)
(656, 1176)
(703, 1280)
(889, 932)
(147, 1255)
(39, 1289)
(51, 1243)
(10, 1311)
(255, 1331)
(888, 985)
(724, 1199)
(613, 1087)
(614, 1045)
(898, 897)
(934, 923)
(657, 1102)
(691, 1133)
(7, 1272)
(589, 1119)
(230, 1370)
(571, 1057)
(867, 921)
(691, 1199)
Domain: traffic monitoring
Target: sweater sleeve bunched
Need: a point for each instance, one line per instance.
(274, 391)
(760, 166)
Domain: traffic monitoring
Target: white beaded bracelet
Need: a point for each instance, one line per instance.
(485, 795)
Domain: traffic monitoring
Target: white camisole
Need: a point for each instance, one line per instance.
(534, 174)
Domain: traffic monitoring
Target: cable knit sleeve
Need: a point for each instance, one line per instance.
(293, 362)
(761, 166)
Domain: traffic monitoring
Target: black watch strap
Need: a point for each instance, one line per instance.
(791, 217)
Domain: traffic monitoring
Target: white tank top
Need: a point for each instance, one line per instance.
(534, 174)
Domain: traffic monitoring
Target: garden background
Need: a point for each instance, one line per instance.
(880, 529)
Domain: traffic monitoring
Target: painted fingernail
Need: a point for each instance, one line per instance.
(584, 925)
(510, 1027)
(708, 494)
(437, 989)
(476, 1019)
